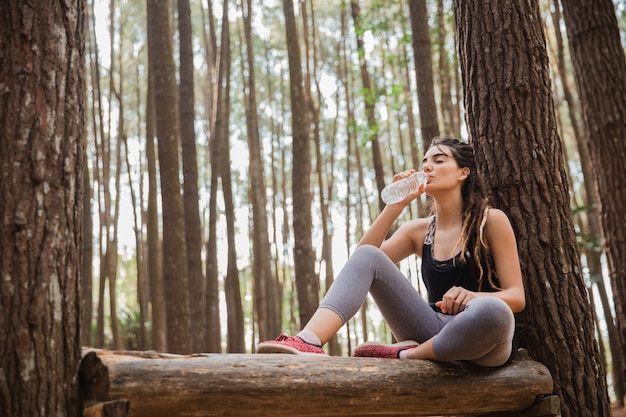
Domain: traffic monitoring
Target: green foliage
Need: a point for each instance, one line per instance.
(130, 327)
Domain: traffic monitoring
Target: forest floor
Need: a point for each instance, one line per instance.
(618, 412)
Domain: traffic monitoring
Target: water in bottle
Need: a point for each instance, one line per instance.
(398, 190)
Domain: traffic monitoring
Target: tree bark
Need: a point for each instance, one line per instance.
(370, 101)
(600, 75)
(307, 284)
(235, 331)
(590, 222)
(213, 334)
(155, 272)
(174, 266)
(510, 116)
(42, 131)
(423, 71)
(266, 300)
(294, 385)
(193, 228)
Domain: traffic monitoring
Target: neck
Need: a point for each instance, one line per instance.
(449, 211)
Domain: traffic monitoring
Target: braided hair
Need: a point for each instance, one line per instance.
(474, 210)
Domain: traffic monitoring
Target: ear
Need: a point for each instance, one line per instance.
(464, 173)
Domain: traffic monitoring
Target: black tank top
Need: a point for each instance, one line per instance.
(440, 276)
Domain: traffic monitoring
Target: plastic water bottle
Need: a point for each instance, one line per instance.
(398, 190)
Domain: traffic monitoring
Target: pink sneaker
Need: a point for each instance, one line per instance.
(289, 344)
(381, 350)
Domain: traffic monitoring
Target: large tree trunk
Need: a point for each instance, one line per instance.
(600, 74)
(193, 229)
(304, 257)
(312, 385)
(174, 248)
(42, 131)
(510, 116)
(590, 222)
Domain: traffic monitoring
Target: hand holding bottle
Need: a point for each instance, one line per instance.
(402, 186)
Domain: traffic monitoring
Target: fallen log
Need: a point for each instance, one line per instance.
(297, 385)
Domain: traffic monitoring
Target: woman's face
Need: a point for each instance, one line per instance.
(441, 169)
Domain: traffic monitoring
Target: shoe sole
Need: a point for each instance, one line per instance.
(392, 345)
(408, 343)
(276, 348)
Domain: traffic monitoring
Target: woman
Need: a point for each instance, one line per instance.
(470, 267)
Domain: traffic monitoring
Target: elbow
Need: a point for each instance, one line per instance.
(520, 302)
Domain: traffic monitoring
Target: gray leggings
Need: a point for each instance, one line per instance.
(482, 333)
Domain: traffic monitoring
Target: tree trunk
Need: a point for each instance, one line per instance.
(193, 228)
(445, 82)
(600, 74)
(155, 272)
(370, 101)
(510, 116)
(174, 248)
(591, 224)
(235, 331)
(311, 385)
(213, 334)
(266, 302)
(42, 131)
(112, 243)
(87, 266)
(423, 71)
(304, 257)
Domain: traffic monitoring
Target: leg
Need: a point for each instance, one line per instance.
(368, 270)
(482, 334)
(403, 308)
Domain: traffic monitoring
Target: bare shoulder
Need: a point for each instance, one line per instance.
(498, 226)
(417, 225)
(497, 217)
(412, 233)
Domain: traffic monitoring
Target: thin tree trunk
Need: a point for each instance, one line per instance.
(266, 303)
(143, 286)
(235, 336)
(155, 272)
(423, 71)
(304, 257)
(112, 245)
(102, 160)
(174, 248)
(193, 229)
(213, 333)
(369, 103)
(138, 246)
(445, 87)
(87, 267)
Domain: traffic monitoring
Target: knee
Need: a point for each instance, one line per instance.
(368, 252)
(493, 312)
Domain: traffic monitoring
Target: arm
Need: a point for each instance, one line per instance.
(402, 243)
(500, 239)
